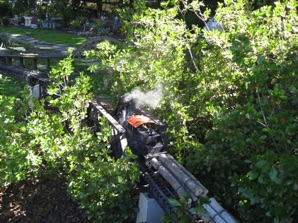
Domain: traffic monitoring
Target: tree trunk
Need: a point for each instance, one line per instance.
(99, 8)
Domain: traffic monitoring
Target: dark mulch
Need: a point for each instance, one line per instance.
(39, 201)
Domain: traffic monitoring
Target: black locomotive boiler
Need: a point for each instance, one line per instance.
(145, 133)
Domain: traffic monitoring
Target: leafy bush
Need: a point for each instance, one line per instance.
(15, 160)
(76, 24)
(103, 31)
(56, 140)
(186, 211)
(5, 22)
(101, 186)
(230, 97)
(254, 111)
(257, 119)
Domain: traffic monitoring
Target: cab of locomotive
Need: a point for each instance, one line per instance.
(145, 135)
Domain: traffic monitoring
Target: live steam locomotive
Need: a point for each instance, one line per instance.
(145, 133)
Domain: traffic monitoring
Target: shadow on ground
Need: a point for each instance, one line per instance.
(39, 201)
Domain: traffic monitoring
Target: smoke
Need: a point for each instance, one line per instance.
(151, 98)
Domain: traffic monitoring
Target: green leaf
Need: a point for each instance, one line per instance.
(255, 200)
(263, 137)
(253, 175)
(174, 202)
(261, 163)
(273, 176)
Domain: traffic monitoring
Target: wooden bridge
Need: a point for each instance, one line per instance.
(11, 58)
(26, 67)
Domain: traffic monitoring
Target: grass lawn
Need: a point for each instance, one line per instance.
(46, 35)
(7, 84)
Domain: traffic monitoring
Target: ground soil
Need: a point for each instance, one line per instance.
(42, 200)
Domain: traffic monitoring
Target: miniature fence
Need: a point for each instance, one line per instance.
(8, 57)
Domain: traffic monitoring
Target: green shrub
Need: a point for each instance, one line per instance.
(76, 24)
(57, 140)
(230, 98)
(101, 186)
(253, 97)
(5, 22)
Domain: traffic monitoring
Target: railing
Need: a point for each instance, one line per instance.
(34, 77)
(119, 134)
(8, 57)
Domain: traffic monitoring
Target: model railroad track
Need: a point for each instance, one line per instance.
(157, 187)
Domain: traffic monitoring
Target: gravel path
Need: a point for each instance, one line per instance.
(41, 44)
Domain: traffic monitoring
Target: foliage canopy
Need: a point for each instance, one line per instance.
(230, 96)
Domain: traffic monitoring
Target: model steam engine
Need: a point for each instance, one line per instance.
(145, 134)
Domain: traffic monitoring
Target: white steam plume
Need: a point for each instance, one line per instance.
(151, 98)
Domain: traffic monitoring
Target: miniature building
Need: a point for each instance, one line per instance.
(28, 21)
(53, 23)
(34, 22)
(57, 22)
